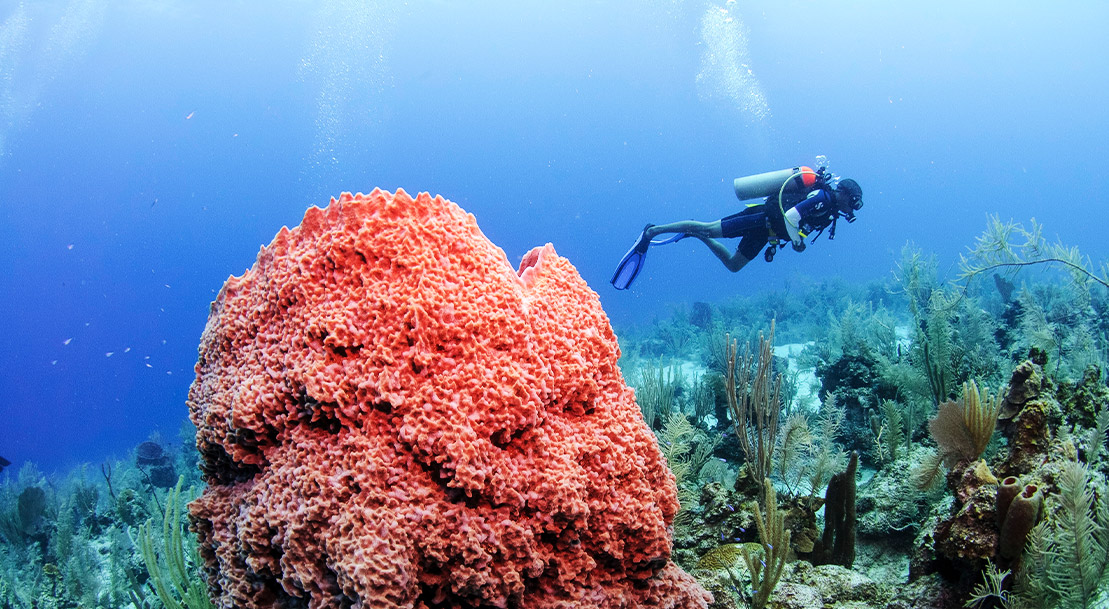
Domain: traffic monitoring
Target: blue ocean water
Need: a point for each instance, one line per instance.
(148, 149)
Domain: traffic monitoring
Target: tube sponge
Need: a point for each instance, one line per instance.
(1010, 488)
(1022, 515)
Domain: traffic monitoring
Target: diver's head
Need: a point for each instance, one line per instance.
(849, 196)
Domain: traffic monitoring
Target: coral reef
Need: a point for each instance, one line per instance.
(885, 372)
(701, 316)
(1027, 417)
(988, 528)
(1017, 516)
(968, 535)
(1081, 400)
(890, 507)
(766, 566)
(168, 558)
(855, 381)
(837, 545)
(82, 551)
(1067, 556)
(32, 509)
(155, 463)
(390, 415)
(439, 425)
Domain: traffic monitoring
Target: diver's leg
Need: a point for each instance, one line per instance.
(692, 228)
(749, 224)
(750, 244)
(733, 261)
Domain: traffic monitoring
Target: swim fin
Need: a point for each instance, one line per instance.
(632, 261)
(630, 264)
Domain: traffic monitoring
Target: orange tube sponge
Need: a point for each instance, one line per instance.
(390, 415)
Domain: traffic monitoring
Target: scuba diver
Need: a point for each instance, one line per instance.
(799, 202)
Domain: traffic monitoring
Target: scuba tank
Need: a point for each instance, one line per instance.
(771, 183)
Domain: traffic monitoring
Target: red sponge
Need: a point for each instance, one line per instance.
(389, 415)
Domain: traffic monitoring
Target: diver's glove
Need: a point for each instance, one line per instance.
(798, 246)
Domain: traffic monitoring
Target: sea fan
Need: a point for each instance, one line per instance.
(963, 429)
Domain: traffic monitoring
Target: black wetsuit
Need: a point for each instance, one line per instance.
(757, 224)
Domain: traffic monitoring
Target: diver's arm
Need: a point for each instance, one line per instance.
(793, 227)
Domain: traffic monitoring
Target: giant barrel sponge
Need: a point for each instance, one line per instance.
(389, 415)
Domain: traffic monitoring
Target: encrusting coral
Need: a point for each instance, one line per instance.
(390, 415)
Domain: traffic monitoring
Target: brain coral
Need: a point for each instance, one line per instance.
(390, 415)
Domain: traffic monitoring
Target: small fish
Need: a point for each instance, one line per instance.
(155, 202)
(4, 463)
(69, 247)
(109, 354)
(190, 115)
(730, 507)
(67, 341)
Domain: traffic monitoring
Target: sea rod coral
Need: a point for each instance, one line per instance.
(390, 415)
